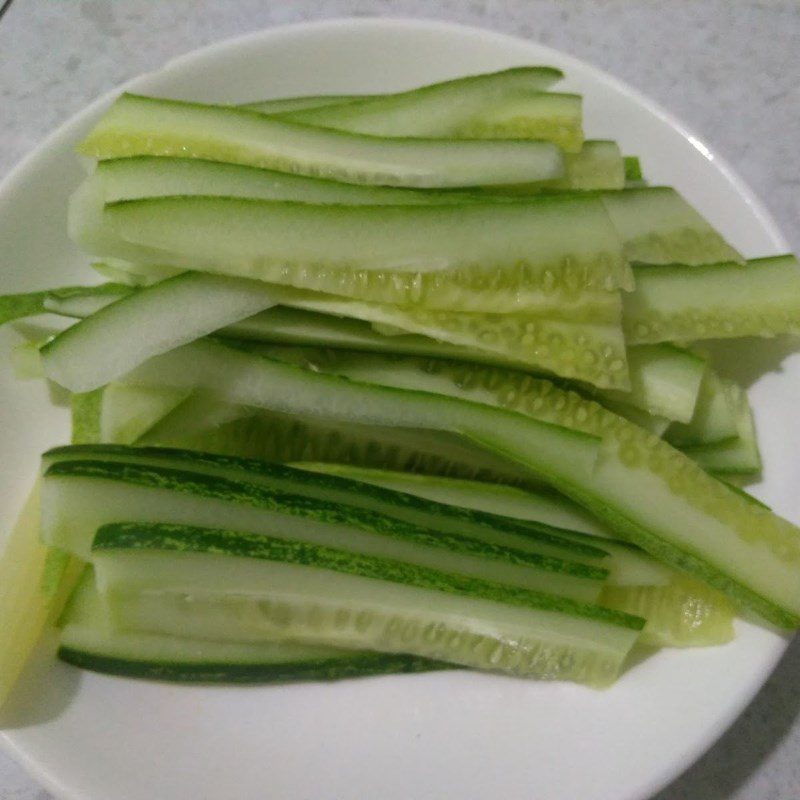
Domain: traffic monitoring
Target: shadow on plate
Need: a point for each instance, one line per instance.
(740, 752)
(44, 690)
(746, 360)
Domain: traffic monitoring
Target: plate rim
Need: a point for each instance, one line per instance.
(17, 174)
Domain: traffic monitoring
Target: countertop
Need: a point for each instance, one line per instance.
(730, 70)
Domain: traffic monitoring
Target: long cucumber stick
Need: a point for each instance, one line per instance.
(153, 493)
(128, 412)
(759, 298)
(90, 640)
(136, 125)
(122, 335)
(645, 489)
(323, 595)
(338, 488)
(433, 96)
(680, 611)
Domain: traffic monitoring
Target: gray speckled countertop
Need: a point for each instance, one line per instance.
(730, 70)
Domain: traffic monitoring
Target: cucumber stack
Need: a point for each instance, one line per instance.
(392, 383)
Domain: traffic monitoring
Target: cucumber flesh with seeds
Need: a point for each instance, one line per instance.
(407, 507)
(759, 298)
(735, 456)
(248, 588)
(645, 489)
(113, 341)
(78, 497)
(713, 420)
(136, 125)
(659, 226)
(89, 640)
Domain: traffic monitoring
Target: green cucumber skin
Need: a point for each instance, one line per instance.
(357, 665)
(315, 510)
(253, 471)
(235, 544)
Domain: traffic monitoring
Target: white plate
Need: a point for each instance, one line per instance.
(431, 736)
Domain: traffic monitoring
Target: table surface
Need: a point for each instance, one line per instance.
(729, 70)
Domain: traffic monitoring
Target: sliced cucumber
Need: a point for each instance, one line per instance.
(128, 412)
(502, 105)
(433, 98)
(633, 171)
(658, 226)
(645, 489)
(120, 490)
(759, 298)
(240, 587)
(113, 341)
(89, 640)
(407, 507)
(137, 125)
(599, 165)
(31, 304)
(713, 420)
(734, 456)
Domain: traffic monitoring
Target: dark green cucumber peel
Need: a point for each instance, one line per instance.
(350, 665)
(212, 487)
(235, 544)
(261, 472)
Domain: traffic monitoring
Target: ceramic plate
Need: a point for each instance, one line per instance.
(430, 736)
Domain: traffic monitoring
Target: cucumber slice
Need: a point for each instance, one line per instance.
(101, 347)
(435, 98)
(633, 171)
(685, 613)
(137, 125)
(598, 165)
(128, 412)
(658, 226)
(713, 420)
(120, 490)
(31, 304)
(645, 489)
(241, 587)
(407, 507)
(89, 640)
(501, 105)
(759, 298)
(86, 414)
(734, 456)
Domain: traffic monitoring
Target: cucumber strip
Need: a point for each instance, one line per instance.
(628, 566)
(534, 243)
(685, 613)
(81, 301)
(735, 456)
(649, 492)
(713, 420)
(86, 414)
(658, 426)
(278, 105)
(157, 493)
(137, 125)
(407, 507)
(89, 640)
(435, 97)
(658, 226)
(502, 105)
(633, 170)
(31, 304)
(128, 412)
(248, 588)
(598, 165)
(759, 298)
(101, 347)
(279, 437)
(593, 353)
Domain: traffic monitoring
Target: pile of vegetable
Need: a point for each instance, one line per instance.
(392, 383)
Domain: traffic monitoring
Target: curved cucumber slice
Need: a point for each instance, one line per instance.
(248, 588)
(137, 125)
(159, 494)
(117, 338)
(395, 503)
(89, 640)
(759, 298)
(500, 105)
(642, 487)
